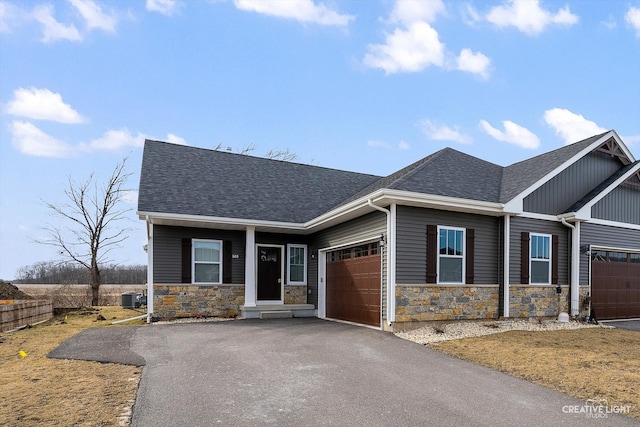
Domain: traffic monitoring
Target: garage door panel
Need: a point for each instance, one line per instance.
(615, 285)
(353, 286)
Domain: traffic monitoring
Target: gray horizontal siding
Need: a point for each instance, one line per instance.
(604, 235)
(167, 251)
(520, 225)
(621, 205)
(572, 184)
(411, 248)
(365, 227)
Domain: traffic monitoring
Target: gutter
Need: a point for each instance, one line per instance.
(391, 257)
(575, 265)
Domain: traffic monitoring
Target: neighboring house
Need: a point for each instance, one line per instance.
(448, 237)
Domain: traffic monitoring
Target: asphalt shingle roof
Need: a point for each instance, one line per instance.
(194, 181)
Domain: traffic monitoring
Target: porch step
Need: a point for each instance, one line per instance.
(277, 311)
(281, 314)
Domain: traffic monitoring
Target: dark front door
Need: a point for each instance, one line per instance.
(269, 273)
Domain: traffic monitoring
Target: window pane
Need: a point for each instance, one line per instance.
(207, 273)
(617, 257)
(443, 242)
(451, 242)
(297, 273)
(206, 251)
(459, 242)
(539, 271)
(540, 247)
(450, 270)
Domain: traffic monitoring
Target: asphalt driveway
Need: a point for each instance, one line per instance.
(308, 372)
(630, 325)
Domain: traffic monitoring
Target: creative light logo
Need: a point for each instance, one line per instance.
(597, 408)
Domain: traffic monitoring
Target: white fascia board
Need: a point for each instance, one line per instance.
(151, 216)
(440, 202)
(515, 205)
(586, 209)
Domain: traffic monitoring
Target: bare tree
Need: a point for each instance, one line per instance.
(91, 215)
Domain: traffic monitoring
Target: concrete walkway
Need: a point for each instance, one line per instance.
(308, 372)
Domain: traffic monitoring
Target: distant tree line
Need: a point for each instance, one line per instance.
(50, 272)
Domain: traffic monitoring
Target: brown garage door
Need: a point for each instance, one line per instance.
(353, 284)
(615, 285)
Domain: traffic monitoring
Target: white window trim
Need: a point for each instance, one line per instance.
(463, 257)
(531, 259)
(194, 262)
(289, 281)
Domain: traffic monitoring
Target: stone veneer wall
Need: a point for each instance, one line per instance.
(430, 303)
(542, 301)
(295, 294)
(173, 301)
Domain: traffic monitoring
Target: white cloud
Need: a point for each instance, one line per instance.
(407, 51)
(301, 10)
(175, 139)
(402, 145)
(408, 12)
(165, 7)
(114, 140)
(8, 15)
(570, 126)
(528, 17)
(476, 63)
(633, 18)
(53, 30)
(441, 132)
(129, 196)
(93, 15)
(513, 134)
(31, 140)
(42, 104)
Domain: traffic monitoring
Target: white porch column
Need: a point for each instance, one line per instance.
(505, 267)
(391, 265)
(149, 270)
(249, 267)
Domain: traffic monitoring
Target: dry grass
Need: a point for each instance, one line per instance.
(586, 363)
(37, 391)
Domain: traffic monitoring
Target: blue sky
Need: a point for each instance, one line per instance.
(364, 86)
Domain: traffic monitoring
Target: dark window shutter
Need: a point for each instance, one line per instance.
(432, 253)
(524, 258)
(226, 261)
(555, 240)
(186, 260)
(470, 253)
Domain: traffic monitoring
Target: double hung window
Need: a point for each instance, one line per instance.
(451, 255)
(207, 261)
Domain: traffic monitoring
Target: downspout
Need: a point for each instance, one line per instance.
(149, 269)
(575, 265)
(391, 261)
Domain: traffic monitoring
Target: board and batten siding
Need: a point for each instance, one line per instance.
(572, 184)
(621, 205)
(370, 226)
(167, 251)
(411, 246)
(520, 225)
(604, 236)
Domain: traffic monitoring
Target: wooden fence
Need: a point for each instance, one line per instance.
(17, 313)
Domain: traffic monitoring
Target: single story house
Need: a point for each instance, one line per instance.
(448, 237)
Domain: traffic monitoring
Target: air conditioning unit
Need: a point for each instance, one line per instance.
(130, 300)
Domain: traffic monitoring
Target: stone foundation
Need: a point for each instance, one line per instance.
(542, 301)
(295, 294)
(174, 301)
(432, 303)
